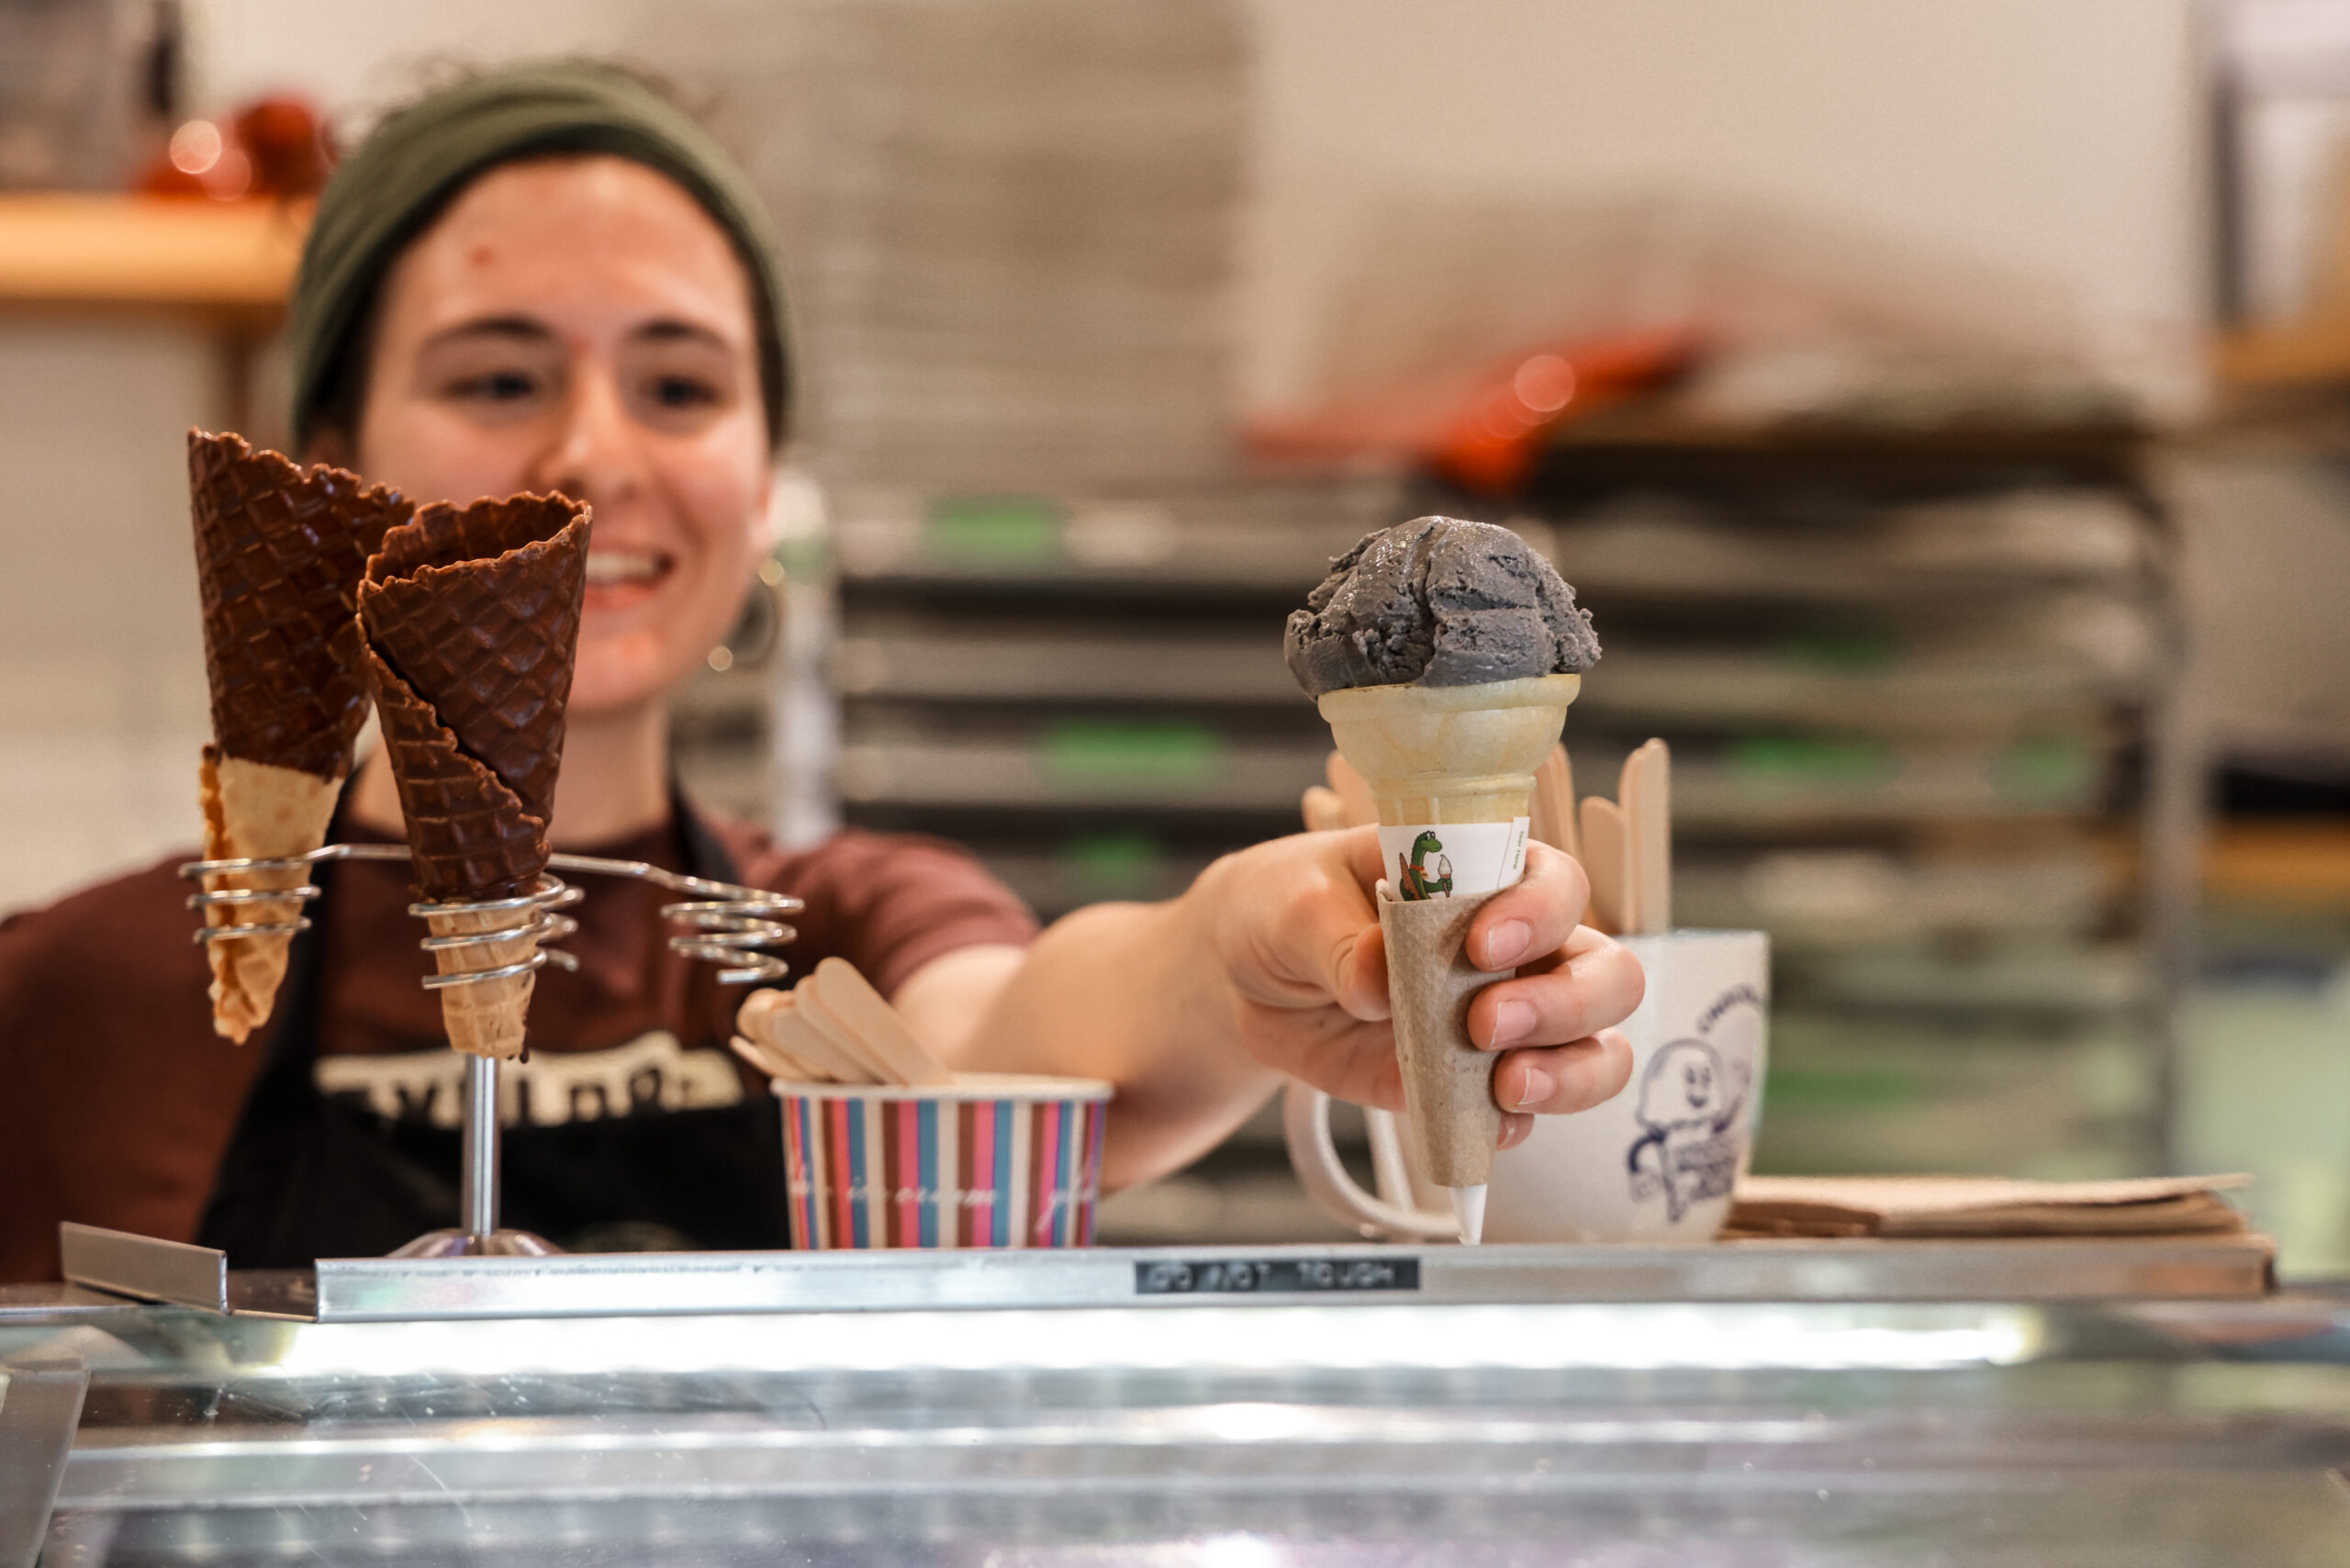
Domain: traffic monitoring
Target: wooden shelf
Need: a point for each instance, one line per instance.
(234, 259)
(2300, 864)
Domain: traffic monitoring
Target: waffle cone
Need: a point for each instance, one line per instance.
(280, 550)
(253, 811)
(469, 656)
(486, 1018)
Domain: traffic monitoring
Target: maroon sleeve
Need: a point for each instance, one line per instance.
(117, 1100)
(887, 903)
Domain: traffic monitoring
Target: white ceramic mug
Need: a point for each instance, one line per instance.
(1656, 1163)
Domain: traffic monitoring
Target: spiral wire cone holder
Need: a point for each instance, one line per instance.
(717, 923)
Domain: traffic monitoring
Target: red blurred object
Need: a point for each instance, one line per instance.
(1482, 430)
(291, 149)
(276, 147)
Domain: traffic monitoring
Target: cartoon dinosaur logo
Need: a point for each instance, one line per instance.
(1412, 876)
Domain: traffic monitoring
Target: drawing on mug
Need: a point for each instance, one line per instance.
(1692, 1112)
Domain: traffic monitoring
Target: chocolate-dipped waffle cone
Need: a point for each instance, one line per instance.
(280, 550)
(470, 617)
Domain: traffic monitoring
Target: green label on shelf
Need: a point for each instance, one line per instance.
(2056, 767)
(1841, 649)
(1112, 863)
(1834, 1088)
(1112, 754)
(1808, 760)
(992, 529)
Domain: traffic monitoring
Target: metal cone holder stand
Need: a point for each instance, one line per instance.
(719, 923)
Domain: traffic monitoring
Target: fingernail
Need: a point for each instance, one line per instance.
(1506, 944)
(1513, 1022)
(1540, 1089)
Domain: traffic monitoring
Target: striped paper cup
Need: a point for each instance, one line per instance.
(991, 1160)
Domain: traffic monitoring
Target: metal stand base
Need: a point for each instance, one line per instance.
(480, 1235)
(469, 1244)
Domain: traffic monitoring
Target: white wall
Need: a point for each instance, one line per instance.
(2058, 143)
(358, 56)
(102, 692)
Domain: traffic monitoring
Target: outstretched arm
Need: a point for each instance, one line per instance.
(1271, 965)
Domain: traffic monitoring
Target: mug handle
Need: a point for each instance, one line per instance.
(1313, 1155)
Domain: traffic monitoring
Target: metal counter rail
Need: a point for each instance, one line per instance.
(656, 1283)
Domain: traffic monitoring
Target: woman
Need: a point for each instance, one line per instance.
(548, 278)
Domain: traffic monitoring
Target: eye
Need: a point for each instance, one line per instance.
(498, 386)
(502, 387)
(682, 392)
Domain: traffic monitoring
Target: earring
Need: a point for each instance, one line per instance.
(759, 627)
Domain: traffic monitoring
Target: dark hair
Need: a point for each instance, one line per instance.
(420, 158)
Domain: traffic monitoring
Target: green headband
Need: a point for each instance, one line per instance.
(419, 158)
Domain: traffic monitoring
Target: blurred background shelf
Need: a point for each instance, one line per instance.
(232, 259)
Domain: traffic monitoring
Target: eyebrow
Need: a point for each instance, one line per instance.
(671, 329)
(521, 328)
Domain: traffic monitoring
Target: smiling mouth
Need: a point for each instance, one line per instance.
(626, 568)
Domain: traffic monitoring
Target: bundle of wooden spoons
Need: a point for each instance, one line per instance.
(833, 1027)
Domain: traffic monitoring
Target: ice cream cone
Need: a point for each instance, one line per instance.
(1438, 759)
(470, 621)
(486, 1018)
(279, 551)
(253, 811)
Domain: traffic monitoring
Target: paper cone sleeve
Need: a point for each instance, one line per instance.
(280, 550)
(1448, 1081)
(255, 811)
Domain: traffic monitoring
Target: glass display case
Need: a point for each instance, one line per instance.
(2044, 1405)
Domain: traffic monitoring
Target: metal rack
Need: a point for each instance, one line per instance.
(1922, 687)
(718, 922)
(1088, 689)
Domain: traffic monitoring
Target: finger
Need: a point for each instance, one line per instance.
(1596, 985)
(1557, 1081)
(1358, 975)
(1533, 917)
(1516, 1127)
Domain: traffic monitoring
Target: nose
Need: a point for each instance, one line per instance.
(598, 454)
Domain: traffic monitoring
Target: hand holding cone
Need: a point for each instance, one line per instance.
(279, 550)
(470, 623)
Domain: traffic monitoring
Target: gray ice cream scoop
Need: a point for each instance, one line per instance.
(1438, 601)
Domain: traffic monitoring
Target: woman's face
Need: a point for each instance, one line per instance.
(580, 324)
